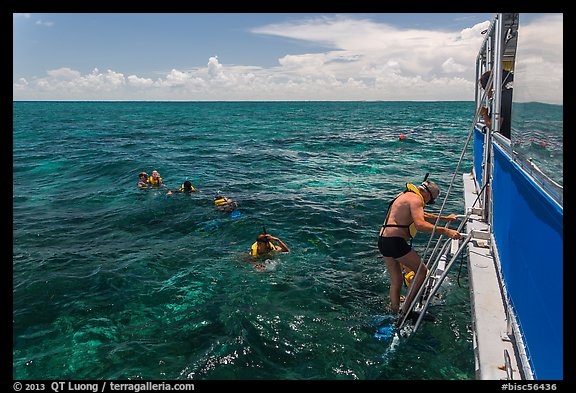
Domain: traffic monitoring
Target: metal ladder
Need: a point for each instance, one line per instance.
(438, 271)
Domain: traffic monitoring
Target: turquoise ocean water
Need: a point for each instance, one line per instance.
(114, 282)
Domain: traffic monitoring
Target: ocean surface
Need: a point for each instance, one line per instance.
(113, 282)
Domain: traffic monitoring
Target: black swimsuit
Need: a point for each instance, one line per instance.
(394, 246)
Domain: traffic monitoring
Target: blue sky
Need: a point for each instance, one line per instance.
(252, 56)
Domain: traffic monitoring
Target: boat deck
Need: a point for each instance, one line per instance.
(488, 310)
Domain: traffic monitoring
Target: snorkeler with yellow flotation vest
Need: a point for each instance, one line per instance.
(404, 218)
(223, 203)
(264, 245)
(186, 188)
(155, 179)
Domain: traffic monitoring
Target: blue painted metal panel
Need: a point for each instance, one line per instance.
(528, 229)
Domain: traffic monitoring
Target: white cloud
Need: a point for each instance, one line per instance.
(37, 22)
(366, 61)
(40, 22)
(417, 52)
(64, 73)
(138, 82)
(214, 67)
(450, 66)
(177, 78)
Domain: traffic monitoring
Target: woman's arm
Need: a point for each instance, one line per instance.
(433, 217)
(283, 247)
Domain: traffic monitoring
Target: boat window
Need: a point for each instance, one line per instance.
(537, 108)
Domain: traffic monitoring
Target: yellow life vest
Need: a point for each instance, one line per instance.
(154, 181)
(220, 201)
(254, 251)
(191, 188)
(412, 188)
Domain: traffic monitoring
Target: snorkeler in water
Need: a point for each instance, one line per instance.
(186, 187)
(265, 245)
(223, 203)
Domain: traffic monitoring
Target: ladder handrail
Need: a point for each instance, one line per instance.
(403, 317)
(441, 279)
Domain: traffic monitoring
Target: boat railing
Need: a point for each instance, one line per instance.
(552, 188)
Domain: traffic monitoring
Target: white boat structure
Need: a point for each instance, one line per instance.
(513, 230)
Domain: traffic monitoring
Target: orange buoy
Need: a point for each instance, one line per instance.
(402, 137)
